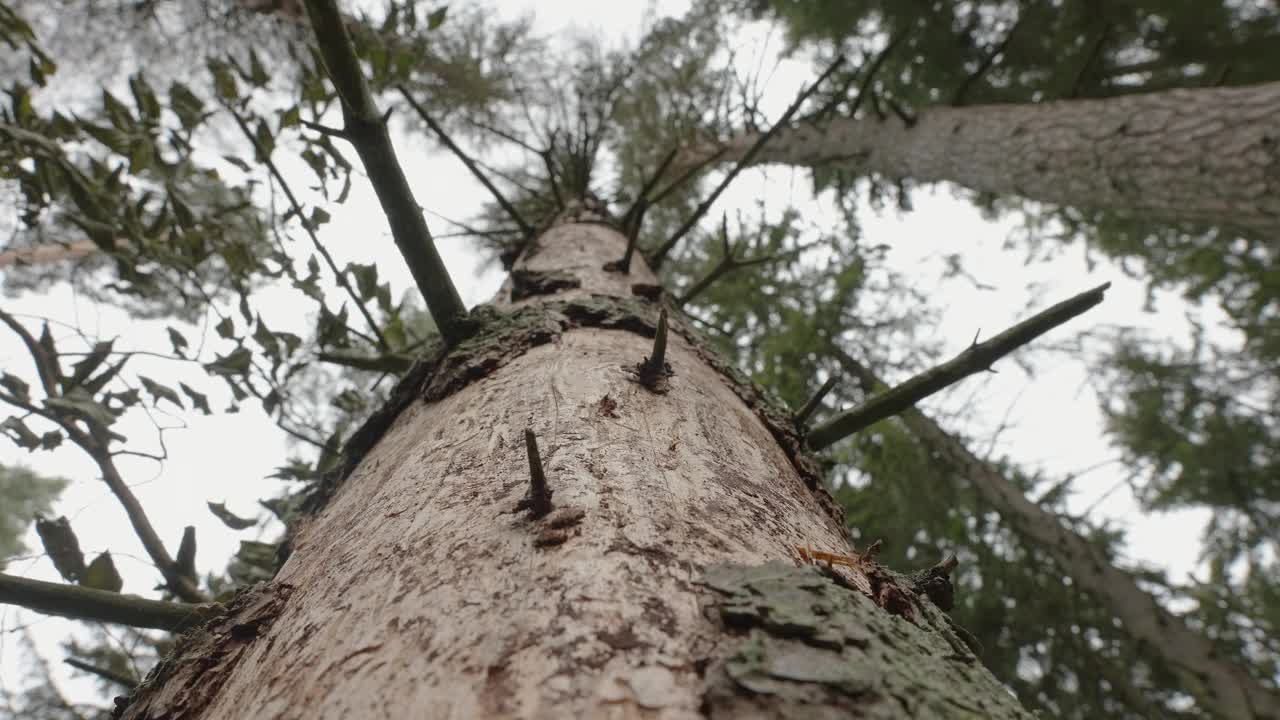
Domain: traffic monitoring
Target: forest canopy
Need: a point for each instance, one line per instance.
(195, 254)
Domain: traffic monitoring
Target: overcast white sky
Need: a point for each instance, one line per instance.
(1056, 424)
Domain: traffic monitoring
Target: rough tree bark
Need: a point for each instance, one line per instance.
(1209, 156)
(661, 585)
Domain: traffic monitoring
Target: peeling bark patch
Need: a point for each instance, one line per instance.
(191, 675)
(528, 283)
(811, 648)
(566, 517)
(658, 615)
(550, 537)
(607, 407)
(557, 528)
(623, 638)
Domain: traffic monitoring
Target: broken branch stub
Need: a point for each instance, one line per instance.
(654, 370)
(538, 500)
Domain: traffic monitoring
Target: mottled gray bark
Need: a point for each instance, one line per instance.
(647, 592)
(1208, 156)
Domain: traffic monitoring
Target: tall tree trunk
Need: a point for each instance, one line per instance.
(1206, 156)
(662, 584)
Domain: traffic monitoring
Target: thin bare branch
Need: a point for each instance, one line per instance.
(1095, 49)
(978, 357)
(504, 135)
(815, 401)
(466, 160)
(684, 176)
(987, 63)
(650, 184)
(865, 85)
(103, 673)
(51, 252)
(655, 260)
(728, 263)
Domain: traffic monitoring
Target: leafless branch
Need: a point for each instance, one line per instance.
(978, 357)
(655, 260)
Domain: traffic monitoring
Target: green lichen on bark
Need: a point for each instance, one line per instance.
(807, 646)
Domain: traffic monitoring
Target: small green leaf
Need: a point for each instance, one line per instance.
(161, 392)
(226, 327)
(117, 112)
(144, 98)
(186, 105)
(264, 141)
(224, 80)
(62, 546)
(436, 18)
(266, 339)
(242, 165)
(230, 519)
(290, 118)
(257, 72)
(199, 400)
(236, 362)
(141, 154)
(83, 369)
(181, 211)
(19, 433)
(178, 341)
(127, 399)
(16, 386)
(114, 139)
(318, 217)
(102, 574)
(185, 558)
(271, 402)
(366, 277)
(93, 386)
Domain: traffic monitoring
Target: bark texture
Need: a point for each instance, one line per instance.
(1209, 156)
(416, 591)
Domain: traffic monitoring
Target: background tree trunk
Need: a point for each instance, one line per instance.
(415, 591)
(1206, 156)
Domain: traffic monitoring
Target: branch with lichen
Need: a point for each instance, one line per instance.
(83, 603)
